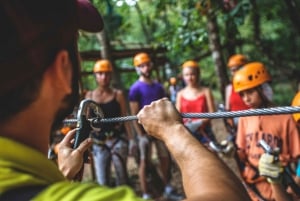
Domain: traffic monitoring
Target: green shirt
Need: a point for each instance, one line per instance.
(21, 165)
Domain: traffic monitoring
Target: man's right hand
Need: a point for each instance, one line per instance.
(157, 117)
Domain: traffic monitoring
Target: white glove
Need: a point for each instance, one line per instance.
(194, 125)
(270, 168)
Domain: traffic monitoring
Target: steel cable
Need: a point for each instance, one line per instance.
(213, 115)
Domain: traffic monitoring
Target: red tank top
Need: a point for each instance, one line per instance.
(197, 105)
(235, 102)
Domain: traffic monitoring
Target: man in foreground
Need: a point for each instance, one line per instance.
(39, 87)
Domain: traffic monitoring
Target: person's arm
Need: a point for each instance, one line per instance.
(134, 108)
(210, 100)
(228, 90)
(205, 177)
(129, 131)
(210, 105)
(280, 193)
(124, 112)
(272, 169)
(178, 103)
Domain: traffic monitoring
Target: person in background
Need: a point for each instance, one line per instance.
(141, 93)
(262, 174)
(233, 101)
(296, 116)
(173, 89)
(111, 142)
(195, 98)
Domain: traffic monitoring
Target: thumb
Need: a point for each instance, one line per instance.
(68, 138)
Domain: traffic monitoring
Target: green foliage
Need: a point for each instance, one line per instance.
(283, 94)
(182, 29)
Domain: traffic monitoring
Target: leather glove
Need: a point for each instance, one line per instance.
(270, 167)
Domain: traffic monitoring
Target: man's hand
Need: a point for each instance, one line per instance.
(70, 160)
(158, 117)
(270, 168)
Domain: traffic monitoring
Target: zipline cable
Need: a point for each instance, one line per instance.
(213, 115)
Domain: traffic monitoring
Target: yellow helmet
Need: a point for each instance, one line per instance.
(251, 75)
(237, 60)
(190, 63)
(296, 102)
(102, 66)
(141, 58)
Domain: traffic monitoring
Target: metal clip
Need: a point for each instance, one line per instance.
(275, 152)
(83, 123)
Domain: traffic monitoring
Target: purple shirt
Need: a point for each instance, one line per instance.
(144, 93)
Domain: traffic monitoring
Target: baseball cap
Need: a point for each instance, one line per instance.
(89, 18)
(34, 30)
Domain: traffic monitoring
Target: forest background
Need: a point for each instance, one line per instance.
(208, 31)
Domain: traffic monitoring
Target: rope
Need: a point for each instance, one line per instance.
(214, 115)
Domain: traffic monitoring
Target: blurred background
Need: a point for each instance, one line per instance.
(208, 31)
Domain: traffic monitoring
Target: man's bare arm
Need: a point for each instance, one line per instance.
(205, 176)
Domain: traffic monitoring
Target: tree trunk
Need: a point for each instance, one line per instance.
(144, 28)
(215, 48)
(265, 50)
(231, 32)
(293, 11)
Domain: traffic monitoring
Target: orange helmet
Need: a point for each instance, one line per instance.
(102, 66)
(296, 102)
(251, 75)
(190, 63)
(64, 130)
(173, 80)
(237, 60)
(141, 58)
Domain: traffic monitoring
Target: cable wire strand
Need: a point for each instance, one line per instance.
(213, 115)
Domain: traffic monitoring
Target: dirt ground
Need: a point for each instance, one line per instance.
(221, 134)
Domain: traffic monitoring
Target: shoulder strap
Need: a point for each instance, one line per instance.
(23, 193)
